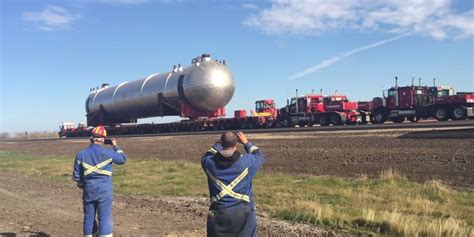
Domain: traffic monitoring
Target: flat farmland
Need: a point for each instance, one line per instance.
(418, 154)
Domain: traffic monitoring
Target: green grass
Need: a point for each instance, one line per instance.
(390, 205)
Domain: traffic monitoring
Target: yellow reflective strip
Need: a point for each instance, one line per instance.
(230, 192)
(119, 151)
(252, 149)
(105, 172)
(217, 182)
(239, 178)
(240, 196)
(212, 150)
(227, 189)
(79, 162)
(91, 168)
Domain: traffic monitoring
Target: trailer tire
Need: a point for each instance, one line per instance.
(459, 113)
(379, 117)
(251, 125)
(302, 124)
(398, 119)
(243, 124)
(336, 119)
(441, 114)
(324, 121)
(414, 119)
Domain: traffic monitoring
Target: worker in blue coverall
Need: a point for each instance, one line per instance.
(93, 173)
(230, 175)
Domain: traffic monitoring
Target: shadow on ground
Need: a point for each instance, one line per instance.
(24, 234)
(440, 134)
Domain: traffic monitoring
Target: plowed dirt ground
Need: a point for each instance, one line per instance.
(41, 206)
(419, 154)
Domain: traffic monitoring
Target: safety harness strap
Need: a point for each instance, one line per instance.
(227, 189)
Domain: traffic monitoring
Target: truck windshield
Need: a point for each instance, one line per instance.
(268, 106)
(293, 101)
(442, 93)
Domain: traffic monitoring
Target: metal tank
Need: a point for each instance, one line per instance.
(205, 86)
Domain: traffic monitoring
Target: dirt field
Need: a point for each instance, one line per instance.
(419, 154)
(35, 206)
(42, 207)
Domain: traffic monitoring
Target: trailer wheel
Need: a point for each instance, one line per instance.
(398, 119)
(251, 125)
(336, 119)
(379, 117)
(324, 121)
(302, 124)
(459, 113)
(286, 122)
(414, 119)
(441, 114)
(243, 124)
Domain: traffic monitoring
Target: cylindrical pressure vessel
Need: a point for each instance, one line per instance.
(205, 86)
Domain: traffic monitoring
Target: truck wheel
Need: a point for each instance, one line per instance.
(414, 119)
(379, 117)
(250, 125)
(243, 124)
(284, 123)
(336, 119)
(441, 114)
(302, 124)
(324, 121)
(459, 113)
(398, 119)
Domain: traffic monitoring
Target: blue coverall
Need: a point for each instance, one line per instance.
(232, 210)
(93, 173)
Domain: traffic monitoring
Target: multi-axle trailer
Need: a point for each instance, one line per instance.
(199, 93)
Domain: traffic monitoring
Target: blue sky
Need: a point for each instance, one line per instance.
(53, 52)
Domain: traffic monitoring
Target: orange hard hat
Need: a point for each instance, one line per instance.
(99, 131)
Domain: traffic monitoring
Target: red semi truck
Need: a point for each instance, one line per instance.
(415, 102)
(319, 109)
(68, 129)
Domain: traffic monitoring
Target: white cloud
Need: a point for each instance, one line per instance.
(434, 18)
(51, 18)
(328, 62)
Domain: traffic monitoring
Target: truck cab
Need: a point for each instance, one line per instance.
(299, 110)
(265, 108)
(305, 104)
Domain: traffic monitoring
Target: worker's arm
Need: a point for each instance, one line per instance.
(257, 157)
(255, 151)
(77, 171)
(211, 152)
(118, 157)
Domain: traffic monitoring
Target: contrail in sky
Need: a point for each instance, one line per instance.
(330, 61)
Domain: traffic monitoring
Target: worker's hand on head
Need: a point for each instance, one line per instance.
(114, 142)
(242, 138)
